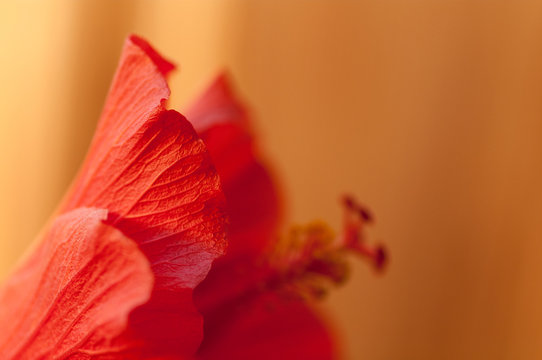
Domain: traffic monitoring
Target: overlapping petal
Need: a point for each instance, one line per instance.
(72, 297)
(153, 174)
(149, 168)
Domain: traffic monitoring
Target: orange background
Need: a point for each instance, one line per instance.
(428, 111)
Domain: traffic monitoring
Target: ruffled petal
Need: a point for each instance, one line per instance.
(266, 326)
(149, 168)
(72, 297)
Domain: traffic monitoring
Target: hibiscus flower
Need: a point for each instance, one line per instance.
(123, 269)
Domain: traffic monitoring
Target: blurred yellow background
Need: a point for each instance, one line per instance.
(428, 111)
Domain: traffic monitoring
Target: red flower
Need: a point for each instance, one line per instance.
(113, 276)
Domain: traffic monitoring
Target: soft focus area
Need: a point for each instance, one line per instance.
(429, 112)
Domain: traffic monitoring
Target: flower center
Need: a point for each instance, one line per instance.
(311, 259)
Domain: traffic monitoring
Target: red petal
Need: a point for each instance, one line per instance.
(163, 65)
(163, 191)
(266, 327)
(251, 195)
(217, 105)
(252, 199)
(137, 93)
(149, 168)
(74, 294)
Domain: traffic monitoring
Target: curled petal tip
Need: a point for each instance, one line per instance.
(163, 65)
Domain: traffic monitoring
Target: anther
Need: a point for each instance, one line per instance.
(351, 205)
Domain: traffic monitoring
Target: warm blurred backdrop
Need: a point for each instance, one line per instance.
(428, 111)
